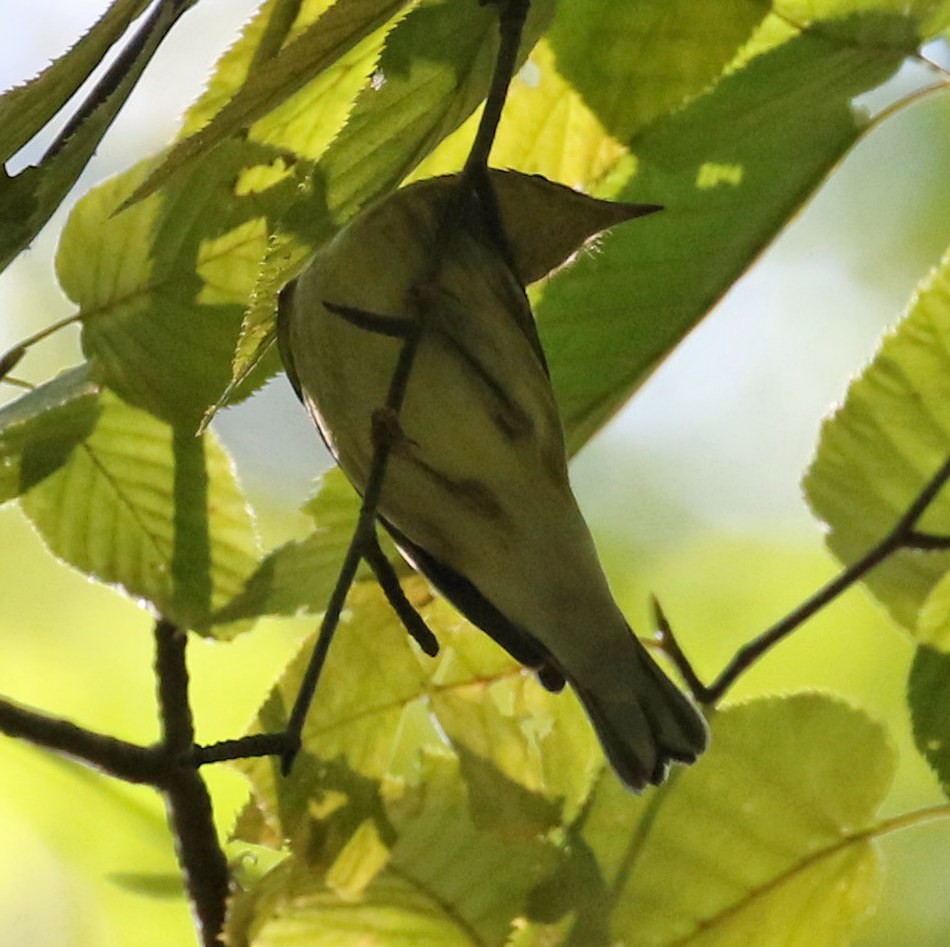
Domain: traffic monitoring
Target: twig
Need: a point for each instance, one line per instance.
(187, 802)
(170, 766)
(364, 544)
(511, 19)
(903, 535)
(126, 761)
(364, 536)
(389, 582)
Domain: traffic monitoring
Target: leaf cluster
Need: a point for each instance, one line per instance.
(452, 800)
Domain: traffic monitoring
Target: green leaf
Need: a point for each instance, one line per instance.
(276, 78)
(472, 692)
(878, 451)
(396, 912)
(282, 261)
(161, 288)
(493, 710)
(434, 71)
(764, 841)
(152, 510)
(362, 718)
(445, 877)
(730, 168)
(26, 109)
(28, 200)
(39, 430)
(651, 56)
(929, 16)
(928, 695)
(545, 129)
(300, 575)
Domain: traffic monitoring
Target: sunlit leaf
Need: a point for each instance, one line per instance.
(878, 451)
(300, 575)
(39, 430)
(445, 876)
(276, 78)
(472, 693)
(352, 733)
(545, 129)
(930, 16)
(434, 71)
(729, 169)
(763, 841)
(493, 710)
(161, 288)
(154, 511)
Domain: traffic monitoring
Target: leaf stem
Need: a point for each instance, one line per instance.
(11, 358)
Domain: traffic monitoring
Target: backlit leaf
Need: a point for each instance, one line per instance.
(39, 430)
(878, 451)
(152, 510)
(729, 169)
(928, 695)
(277, 78)
(763, 841)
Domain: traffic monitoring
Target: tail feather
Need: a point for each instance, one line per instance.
(646, 724)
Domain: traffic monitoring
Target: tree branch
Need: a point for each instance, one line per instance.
(170, 766)
(187, 802)
(903, 535)
(117, 758)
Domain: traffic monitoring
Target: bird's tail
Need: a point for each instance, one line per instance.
(642, 720)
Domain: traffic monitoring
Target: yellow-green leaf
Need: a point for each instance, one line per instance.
(878, 451)
(152, 510)
(40, 429)
(763, 841)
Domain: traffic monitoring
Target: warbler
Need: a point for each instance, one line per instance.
(476, 492)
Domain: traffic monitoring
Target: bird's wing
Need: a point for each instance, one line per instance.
(524, 648)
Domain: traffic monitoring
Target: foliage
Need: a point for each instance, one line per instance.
(452, 800)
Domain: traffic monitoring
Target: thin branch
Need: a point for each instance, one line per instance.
(242, 748)
(117, 758)
(511, 19)
(903, 535)
(12, 357)
(928, 542)
(187, 802)
(363, 538)
(386, 433)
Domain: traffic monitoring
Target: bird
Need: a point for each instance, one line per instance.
(476, 492)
